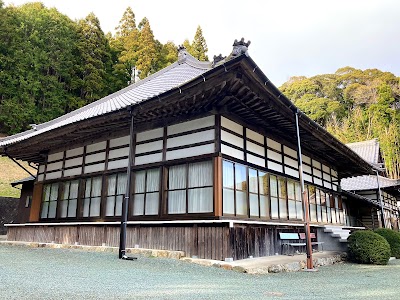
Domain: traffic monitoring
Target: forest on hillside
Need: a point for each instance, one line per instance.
(354, 105)
(51, 65)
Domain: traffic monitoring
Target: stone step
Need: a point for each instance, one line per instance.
(340, 234)
(332, 228)
(336, 230)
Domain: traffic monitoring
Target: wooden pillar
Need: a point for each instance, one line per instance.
(34, 214)
(218, 186)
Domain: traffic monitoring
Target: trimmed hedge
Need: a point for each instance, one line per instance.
(368, 247)
(393, 238)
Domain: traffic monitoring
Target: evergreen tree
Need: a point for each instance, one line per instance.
(168, 54)
(95, 55)
(126, 46)
(127, 24)
(147, 52)
(37, 58)
(199, 46)
(354, 105)
(50, 65)
(187, 45)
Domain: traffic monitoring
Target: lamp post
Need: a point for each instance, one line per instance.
(125, 201)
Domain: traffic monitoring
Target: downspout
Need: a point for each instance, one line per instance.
(125, 202)
(21, 166)
(380, 200)
(306, 212)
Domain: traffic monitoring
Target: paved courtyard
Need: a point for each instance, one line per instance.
(40, 273)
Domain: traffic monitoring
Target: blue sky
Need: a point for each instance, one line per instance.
(288, 37)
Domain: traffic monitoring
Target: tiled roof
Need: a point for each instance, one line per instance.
(175, 75)
(367, 182)
(363, 198)
(27, 179)
(368, 150)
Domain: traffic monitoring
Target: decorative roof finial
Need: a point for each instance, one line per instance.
(33, 126)
(239, 47)
(182, 52)
(217, 59)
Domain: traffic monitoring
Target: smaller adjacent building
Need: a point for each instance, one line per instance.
(25, 200)
(377, 188)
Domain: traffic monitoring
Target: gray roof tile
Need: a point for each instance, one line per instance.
(27, 179)
(367, 182)
(368, 150)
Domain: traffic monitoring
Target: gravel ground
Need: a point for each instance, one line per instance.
(38, 273)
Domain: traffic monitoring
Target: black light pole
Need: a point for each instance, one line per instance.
(125, 202)
(380, 200)
(306, 212)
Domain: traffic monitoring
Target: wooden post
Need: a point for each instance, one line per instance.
(34, 214)
(218, 186)
(306, 212)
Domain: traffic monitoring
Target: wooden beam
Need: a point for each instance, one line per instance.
(218, 186)
(34, 214)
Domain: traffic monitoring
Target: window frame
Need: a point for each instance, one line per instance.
(259, 194)
(234, 189)
(104, 200)
(51, 184)
(145, 192)
(61, 196)
(165, 189)
(91, 197)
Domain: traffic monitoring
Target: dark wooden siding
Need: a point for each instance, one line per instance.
(210, 241)
(23, 211)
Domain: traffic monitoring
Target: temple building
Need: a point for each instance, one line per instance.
(213, 157)
(377, 188)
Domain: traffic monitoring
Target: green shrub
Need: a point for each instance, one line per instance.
(393, 238)
(368, 247)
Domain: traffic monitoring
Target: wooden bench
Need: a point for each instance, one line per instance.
(288, 241)
(312, 236)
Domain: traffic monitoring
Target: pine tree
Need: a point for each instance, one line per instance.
(147, 53)
(126, 46)
(37, 58)
(187, 45)
(127, 24)
(95, 55)
(168, 54)
(199, 46)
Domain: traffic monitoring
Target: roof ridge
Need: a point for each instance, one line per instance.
(374, 140)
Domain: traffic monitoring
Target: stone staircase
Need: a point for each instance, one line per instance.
(337, 232)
